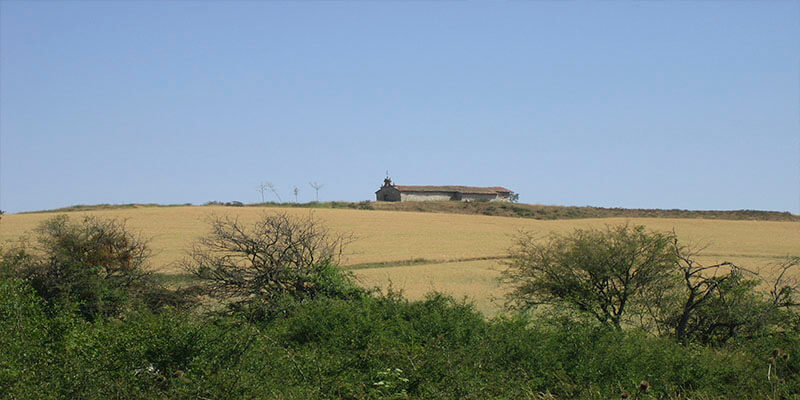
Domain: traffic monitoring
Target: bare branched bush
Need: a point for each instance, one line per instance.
(784, 288)
(712, 304)
(275, 256)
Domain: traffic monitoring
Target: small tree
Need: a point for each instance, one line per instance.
(276, 256)
(604, 273)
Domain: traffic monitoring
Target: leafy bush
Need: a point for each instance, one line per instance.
(31, 342)
(15, 259)
(96, 264)
(95, 267)
(367, 348)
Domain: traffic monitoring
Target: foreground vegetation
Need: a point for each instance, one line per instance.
(81, 317)
(372, 347)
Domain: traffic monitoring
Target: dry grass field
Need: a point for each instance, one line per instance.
(475, 280)
(420, 252)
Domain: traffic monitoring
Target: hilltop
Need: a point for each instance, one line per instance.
(501, 209)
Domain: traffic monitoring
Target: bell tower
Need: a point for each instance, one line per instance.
(387, 182)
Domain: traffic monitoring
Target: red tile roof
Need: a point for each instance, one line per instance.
(457, 189)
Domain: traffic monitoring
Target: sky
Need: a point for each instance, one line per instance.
(687, 105)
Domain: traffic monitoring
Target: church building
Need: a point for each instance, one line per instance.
(392, 192)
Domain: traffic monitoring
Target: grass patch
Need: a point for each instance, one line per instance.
(419, 261)
(176, 280)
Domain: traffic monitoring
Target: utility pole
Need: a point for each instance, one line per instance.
(271, 187)
(262, 187)
(317, 187)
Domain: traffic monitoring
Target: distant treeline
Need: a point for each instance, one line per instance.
(534, 211)
(544, 212)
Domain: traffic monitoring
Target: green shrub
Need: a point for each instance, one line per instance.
(31, 342)
(15, 259)
(95, 267)
(95, 264)
(371, 347)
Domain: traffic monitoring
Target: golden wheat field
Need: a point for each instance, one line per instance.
(446, 247)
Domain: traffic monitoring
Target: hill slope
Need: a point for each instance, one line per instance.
(455, 251)
(543, 212)
(500, 209)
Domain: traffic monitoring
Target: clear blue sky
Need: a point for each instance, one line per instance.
(691, 105)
